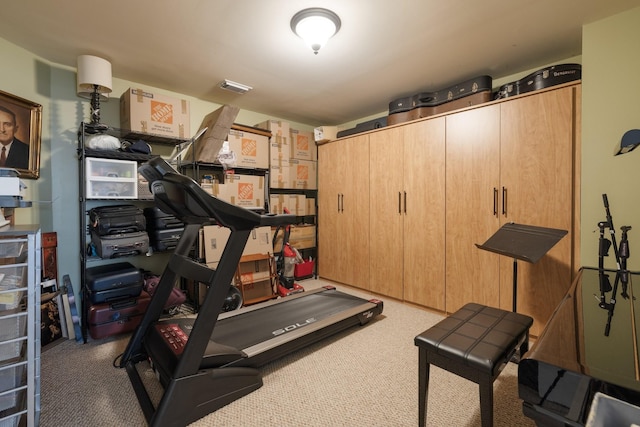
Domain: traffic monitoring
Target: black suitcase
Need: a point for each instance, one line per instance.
(110, 282)
(160, 220)
(116, 219)
(117, 317)
(165, 240)
(120, 245)
(110, 276)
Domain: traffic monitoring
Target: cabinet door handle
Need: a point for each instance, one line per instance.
(504, 201)
(341, 202)
(338, 202)
(495, 201)
(399, 202)
(405, 202)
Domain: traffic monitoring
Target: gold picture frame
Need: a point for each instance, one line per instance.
(21, 126)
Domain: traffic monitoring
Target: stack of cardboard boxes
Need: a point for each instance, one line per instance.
(293, 158)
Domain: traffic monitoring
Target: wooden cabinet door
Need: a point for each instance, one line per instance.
(424, 213)
(330, 170)
(343, 211)
(537, 147)
(354, 234)
(386, 211)
(472, 189)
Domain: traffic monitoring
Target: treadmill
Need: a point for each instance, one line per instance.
(208, 361)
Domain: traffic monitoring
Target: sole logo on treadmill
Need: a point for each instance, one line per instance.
(293, 327)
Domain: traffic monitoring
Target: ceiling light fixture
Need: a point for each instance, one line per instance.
(94, 80)
(234, 86)
(315, 26)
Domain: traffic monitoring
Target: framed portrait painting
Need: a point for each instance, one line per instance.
(20, 135)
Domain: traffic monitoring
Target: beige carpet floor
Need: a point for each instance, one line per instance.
(367, 376)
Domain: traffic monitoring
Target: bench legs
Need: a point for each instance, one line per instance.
(485, 384)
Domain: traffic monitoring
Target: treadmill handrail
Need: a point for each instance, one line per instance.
(189, 202)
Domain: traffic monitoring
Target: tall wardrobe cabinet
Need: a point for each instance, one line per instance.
(343, 211)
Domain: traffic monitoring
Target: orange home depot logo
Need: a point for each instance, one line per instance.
(302, 142)
(245, 191)
(302, 172)
(161, 112)
(249, 147)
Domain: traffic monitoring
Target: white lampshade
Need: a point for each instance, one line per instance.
(93, 71)
(315, 26)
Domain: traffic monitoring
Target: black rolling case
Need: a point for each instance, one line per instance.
(165, 240)
(160, 220)
(378, 123)
(116, 219)
(120, 245)
(112, 282)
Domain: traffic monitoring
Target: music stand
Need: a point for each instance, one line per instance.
(526, 242)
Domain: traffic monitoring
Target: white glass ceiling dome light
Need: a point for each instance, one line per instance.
(315, 26)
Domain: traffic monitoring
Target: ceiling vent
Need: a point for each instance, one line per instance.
(235, 87)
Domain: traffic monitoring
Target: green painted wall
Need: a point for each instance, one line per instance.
(610, 107)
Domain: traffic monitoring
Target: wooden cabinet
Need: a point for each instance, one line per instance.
(407, 213)
(511, 162)
(472, 192)
(538, 144)
(343, 211)
(441, 185)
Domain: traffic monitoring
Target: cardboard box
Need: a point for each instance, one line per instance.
(156, 114)
(276, 203)
(311, 206)
(301, 237)
(249, 150)
(255, 290)
(325, 133)
(217, 124)
(303, 174)
(303, 146)
(279, 131)
(254, 271)
(242, 190)
(215, 238)
(280, 174)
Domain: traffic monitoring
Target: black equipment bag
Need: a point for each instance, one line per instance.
(116, 219)
(378, 123)
(120, 245)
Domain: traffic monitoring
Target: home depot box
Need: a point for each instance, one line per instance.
(215, 238)
(253, 271)
(311, 206)
(280, 141)
(303, 174)
(301, 237)
(246, 149)
(303, 146)
(295, 203)
(241, 190)
(156, 114)
(279, 130)
(280, 174)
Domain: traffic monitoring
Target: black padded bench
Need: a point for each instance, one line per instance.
(476, 342)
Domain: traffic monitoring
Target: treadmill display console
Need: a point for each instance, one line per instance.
(173, 336)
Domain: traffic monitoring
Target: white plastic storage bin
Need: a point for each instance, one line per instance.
(111, 179)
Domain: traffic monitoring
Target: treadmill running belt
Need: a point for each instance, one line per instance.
(257, 326)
